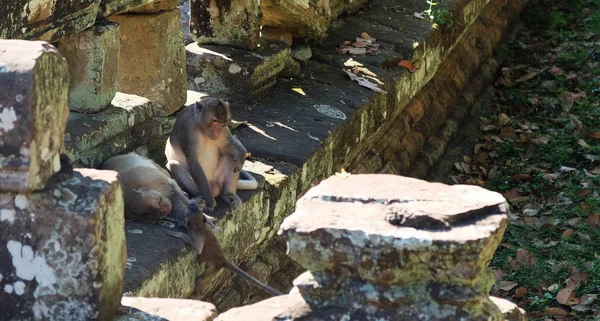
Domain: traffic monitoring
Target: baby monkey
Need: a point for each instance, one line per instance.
(202, 155)
(205, 244)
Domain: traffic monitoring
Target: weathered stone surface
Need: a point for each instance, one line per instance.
(510, 310)
(33, 113)
(112, 7)
(156, 6)
(236, 74)
(85, 131)
(46, 20)
(152, 60)
(301, 53)
(277, 34)
(62, 252)
(304, 145)
(292, 68)
(173, 309)
(400, 246)
(308, 20)
(184, 10)
(228, 22)
(93, 57)
(127, 141)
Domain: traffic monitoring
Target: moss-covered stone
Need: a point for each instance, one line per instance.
(33, 113)
(93, 57)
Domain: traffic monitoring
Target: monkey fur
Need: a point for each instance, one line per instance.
(149, 191)
(204, 158)
(201, 240)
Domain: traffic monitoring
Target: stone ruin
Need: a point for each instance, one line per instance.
(98, 78)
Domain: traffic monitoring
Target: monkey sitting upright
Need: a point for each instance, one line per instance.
(203, 156)
(149, 192)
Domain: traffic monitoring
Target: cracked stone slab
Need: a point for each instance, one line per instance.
(236, 74)
(85, 131)
(62, 252)
(112, 7)
(166, 309)
(430, 225)
(47, 20)
(33, 113)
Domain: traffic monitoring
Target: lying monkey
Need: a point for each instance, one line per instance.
(200, 238)
(149, 192)
(203, 157)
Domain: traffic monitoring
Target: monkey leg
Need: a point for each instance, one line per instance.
(229, 188)
(183, 178)
(178, 211)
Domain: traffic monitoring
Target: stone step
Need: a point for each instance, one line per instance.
(298, 139)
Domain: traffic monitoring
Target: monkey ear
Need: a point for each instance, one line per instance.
(137, 192)
(198, 105)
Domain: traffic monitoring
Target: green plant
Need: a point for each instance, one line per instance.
(441, 17)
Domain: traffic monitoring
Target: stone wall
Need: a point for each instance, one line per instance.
(306, 118)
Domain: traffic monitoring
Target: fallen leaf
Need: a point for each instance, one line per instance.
(563, 295)
(587, 299)
(408, 65)
(523, 177)
(299, 90)
(520, 292)
(556, 312)
(583, 144)
(507, 285)
(553, 287)
(556, 71)
(596, 170)
(527, 77)
(365, 36)
(594, 219)
(579, 277)
(524, 257)
(357, 51)
(568, 233)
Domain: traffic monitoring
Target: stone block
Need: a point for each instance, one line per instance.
(277, 34)
(236, 74)
(93, 58)
(33, 113)
(62, 251)
(152, 59)
(156, 6)
(85, 131)
(307, 20)
(400, 245)
(47, 20)
(168, 309)
(112, 7)
(230, 22)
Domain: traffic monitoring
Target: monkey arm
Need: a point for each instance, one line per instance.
(238, 152)
(180, 215)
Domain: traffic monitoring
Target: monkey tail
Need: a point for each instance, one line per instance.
(252, 279)
(246, 181)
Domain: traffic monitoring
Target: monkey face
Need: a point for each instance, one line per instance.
(215, 129)
(150, 202)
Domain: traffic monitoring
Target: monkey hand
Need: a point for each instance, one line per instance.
(238, 163)
(233, 200)
(199, 201)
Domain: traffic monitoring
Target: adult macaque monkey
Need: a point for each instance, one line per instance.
(202, 241)
(149, 192)
(203, 156)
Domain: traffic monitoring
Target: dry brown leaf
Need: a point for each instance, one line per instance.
(568, 233)
(556, 71)
(596, 170)
(579, 277)
(365, 36)
(527, 77)
(520, 292)
(523, 177)
(594, 219)
(524, 257)
(556, 312)
(408, 65)
(563, 295)
(507, 285)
